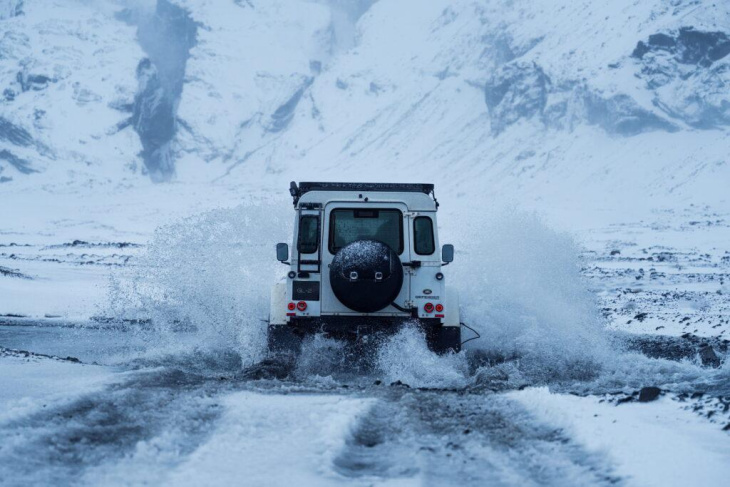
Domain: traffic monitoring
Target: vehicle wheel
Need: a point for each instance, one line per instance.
(444, 339)
(283, 340)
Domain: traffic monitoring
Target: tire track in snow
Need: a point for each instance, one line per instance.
(61, 445)
(171, 428)
(456, 438)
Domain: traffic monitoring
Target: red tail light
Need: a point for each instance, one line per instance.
(291, 306)
(428, 308)
(302, 306)
(439, 308)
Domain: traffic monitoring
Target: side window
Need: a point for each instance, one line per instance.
(423, 236)
(308, 239)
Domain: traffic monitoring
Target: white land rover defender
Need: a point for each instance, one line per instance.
(365, 260)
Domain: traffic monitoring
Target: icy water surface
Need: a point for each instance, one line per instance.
(86, 343)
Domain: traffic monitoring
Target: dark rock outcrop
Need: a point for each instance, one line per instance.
(709, 358)
(516, 90)
(621, 115)
(32, 81)
(284, 114)
(648, 394)
(11, 8)
(687, 72)
(154, 120)
(687, 46)
(18, 163)
(692, 69)
(167, 38)
(14, 134)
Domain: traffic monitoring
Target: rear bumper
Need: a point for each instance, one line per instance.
(358, 325)
(440, 338)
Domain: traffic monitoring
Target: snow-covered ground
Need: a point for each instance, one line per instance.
(580, 156)
(661, 444)
(32, 382)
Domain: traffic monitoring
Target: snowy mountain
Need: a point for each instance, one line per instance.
(67, 85)
(504, 95)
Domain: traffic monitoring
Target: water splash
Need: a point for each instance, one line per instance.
(521, 288)
(323, 357)
(405, 357)
(204, 282)
(629, 372)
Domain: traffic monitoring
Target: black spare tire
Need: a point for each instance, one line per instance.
(366, 275)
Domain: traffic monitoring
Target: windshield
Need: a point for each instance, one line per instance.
(350, 225)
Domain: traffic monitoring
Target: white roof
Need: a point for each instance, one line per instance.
(414, 201)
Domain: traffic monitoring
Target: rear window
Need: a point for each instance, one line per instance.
(423, 242)
(350, 225)
(308, 240)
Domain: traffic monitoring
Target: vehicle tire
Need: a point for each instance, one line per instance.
(284, 340)
(444, 339)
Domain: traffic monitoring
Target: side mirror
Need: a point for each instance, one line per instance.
(447, 254)
(282, 252)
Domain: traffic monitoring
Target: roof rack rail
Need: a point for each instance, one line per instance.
(305, 187)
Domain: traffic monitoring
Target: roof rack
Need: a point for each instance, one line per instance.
(305, 187)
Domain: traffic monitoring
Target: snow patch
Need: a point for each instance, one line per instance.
(649, 444)
(308, 433)
(30, 383)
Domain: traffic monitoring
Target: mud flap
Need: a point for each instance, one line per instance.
(444, 339)
(283, 340)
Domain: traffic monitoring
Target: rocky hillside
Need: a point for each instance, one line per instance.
(542, 99)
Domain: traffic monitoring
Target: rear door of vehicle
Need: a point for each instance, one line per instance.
(330, 304)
